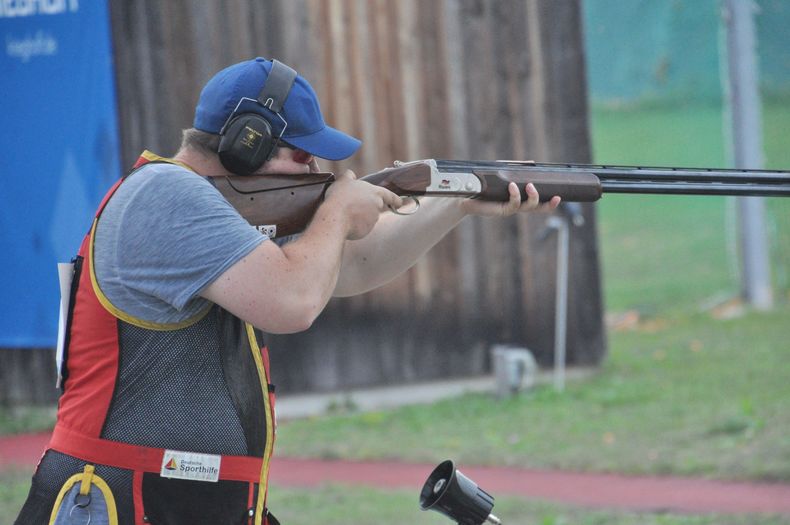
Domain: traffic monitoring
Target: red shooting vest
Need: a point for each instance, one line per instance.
(134, 389)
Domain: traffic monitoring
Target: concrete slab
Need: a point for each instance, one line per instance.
(368, 399)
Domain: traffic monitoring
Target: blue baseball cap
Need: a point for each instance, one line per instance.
(306, 128)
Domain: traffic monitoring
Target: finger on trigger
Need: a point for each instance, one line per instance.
(397, 201)
(391, 199)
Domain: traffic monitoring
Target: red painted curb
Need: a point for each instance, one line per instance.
(582, 489)
(22, 450)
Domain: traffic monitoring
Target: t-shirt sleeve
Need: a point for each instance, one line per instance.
(177, 234)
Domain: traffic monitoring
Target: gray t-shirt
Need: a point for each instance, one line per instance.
(166, 234)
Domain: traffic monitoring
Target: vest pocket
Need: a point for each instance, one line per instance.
(84, 498)
(167, 500)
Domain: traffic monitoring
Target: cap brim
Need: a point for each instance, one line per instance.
(327, 143)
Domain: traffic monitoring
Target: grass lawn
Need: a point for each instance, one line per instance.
(18, 420)
(336, 505)
(669, 253)
(683, 395)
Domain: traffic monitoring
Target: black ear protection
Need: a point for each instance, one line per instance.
(246, 141)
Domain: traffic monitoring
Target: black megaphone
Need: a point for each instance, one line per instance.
(449, 492)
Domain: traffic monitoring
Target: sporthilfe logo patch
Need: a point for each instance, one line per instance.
(189, 465)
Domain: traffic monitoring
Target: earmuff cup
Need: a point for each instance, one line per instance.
(246, 144)
(246, 140)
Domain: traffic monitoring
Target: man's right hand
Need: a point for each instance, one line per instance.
(360, 203)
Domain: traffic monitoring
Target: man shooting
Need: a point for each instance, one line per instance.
(167, 411)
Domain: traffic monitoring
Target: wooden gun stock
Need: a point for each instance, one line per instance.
(277, 205)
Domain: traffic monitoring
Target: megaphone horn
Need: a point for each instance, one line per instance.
(449, 492)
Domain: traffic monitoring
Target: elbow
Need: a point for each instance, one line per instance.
(310, 308)
(304, 321)
(299, 316)
(292, 324)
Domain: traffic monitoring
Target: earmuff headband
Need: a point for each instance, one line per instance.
(278, 85)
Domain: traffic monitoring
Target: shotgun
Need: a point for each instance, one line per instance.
(281, 205)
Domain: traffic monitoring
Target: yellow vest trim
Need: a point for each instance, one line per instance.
(87, 477)
(153, 157)
(93, 479)
(267, 453)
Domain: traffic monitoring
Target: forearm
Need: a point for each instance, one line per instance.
(314, 259)
(395, 244)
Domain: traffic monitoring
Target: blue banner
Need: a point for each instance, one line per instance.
(60, 151)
